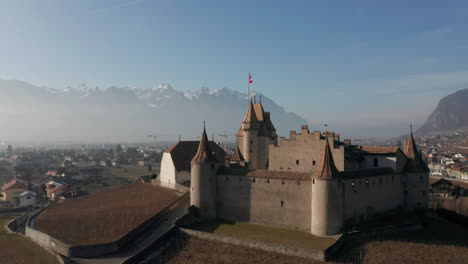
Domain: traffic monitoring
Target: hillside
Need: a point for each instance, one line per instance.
(451, 114)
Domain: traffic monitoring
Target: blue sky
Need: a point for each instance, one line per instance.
(363, 67)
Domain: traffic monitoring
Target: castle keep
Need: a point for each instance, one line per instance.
(310, 181)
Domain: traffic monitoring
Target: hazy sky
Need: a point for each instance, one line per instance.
(352, 64)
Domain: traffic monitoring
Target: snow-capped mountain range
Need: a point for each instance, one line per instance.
(125, 113)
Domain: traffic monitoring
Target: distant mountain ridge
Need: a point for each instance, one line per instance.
(125, 113)
(451, 114)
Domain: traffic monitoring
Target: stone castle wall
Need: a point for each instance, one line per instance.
(288, 203)
(274, 202)
(303, 152)
(366, 196)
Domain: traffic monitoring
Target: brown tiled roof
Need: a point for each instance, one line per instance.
(237, 156)
(14, 184)
(250, 116)
(183, 152)
(411, 151)
(454, 182)
(204, 153)
(414, 162)
(326, 169)
(259, 111)
(378, 149)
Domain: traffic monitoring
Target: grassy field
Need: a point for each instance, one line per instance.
(265, 233)
(16, 249)
(200, 251)
(104, 216)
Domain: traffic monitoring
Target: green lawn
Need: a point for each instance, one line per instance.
(289, 237)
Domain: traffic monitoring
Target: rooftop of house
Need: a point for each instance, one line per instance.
(15, 184)
(183, 152)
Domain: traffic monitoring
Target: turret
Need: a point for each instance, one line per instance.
(255, 135)
(417, 176)
(327, 197)
(203, 179)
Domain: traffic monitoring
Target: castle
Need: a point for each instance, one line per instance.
(311, 181)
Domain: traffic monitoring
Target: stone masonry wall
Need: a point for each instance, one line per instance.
(274, 202)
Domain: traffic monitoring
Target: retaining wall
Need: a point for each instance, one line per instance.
(13, 225)
(271, 247)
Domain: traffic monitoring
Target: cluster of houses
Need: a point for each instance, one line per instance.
(19, 193)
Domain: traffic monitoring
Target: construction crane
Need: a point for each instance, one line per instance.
(225, 136)
(152, 136)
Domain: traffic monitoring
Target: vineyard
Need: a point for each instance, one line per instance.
(104, 216)
(438, 242)
(201, 251)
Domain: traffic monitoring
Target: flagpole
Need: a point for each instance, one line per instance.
(248, 89)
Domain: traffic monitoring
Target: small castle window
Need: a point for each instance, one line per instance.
(281, 168)
(251, 141)
(313, 181)
(268, 180)
(297, 162)
(313, 162)
(376, 162)
(298, 182)
(253, 180)
(282, 204)
(250, 150)
(282, 181)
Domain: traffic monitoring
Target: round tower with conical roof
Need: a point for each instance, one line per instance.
(416, 184)
(203, 180)
(327, 197)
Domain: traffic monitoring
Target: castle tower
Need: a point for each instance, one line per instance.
(327, 197)
(417, 177)
(203, 179)
(255, 135)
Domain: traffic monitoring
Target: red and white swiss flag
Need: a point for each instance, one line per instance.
(250, 78)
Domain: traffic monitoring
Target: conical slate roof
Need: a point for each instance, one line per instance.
(326, 169)
(204, 153)
(237, 156)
